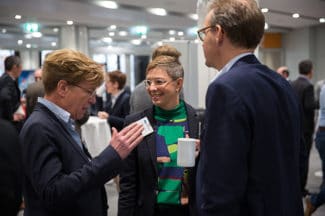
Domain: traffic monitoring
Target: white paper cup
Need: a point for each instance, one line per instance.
(186, 152)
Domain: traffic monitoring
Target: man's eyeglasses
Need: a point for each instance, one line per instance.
(156, 82)
(202, 32)
(89, 92)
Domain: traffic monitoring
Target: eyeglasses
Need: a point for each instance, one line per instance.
(202, 32)
(156, 82)
(89, 92)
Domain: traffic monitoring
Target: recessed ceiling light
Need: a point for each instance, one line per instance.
(136, 42)
(37, 34)
(143, 36)
(158, 11)
(28, 36)
(20, 42)
(196, 40)
(266, 26)
(123, 33)
(69, 22)
(295, 15)
(107, 4)
(180, 33)
(160, 43)
(28, 46)
(18, 17)
(55, 29)
(265, 10)
(172, 39)
(53, 44)
(111, 34)
(112, 27)
(172, 32)
(107, 39)
(4, 31)
(194, 16)
(322, 20)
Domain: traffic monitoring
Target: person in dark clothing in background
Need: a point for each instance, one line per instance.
(305, 92)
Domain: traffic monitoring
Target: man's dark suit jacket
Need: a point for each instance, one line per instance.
(59, 176)
(9, 97)
(10, 169)
(119, 111)
(305, 92)
(139, 178)
(251, 145)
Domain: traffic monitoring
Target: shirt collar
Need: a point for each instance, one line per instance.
(58, 111)
(230, 63)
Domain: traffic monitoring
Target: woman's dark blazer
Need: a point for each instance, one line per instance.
(138, 180)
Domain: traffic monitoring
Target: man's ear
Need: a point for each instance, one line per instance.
(219, 34)
(62, 88)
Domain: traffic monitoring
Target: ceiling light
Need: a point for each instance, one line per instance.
(194, 16)
(28, 46)
(322, 20)
(37, 34)
(123, 33)
(107, 39)
(55, 29)
(172, 39)
(112, 27)
(18, 17)
(180, 33)
(20, 42)
(111, 34)
(196, 40)
(143, 36)
(53, 44)
(28, 36)
(172, 32)
(4, 31)
(158, 11)
(265, 10)
(266, 26)
(295, 15)
(159, 43)
(107, 4)
(136, 42)
(69, 22)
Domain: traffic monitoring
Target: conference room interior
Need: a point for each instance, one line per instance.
(122, 34)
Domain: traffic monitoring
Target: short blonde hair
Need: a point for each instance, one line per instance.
(71, 66)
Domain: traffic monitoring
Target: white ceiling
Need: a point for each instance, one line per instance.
(54, 13)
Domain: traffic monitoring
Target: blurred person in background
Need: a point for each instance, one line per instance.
(10, 92)
(152, 183)
(305, 92)
(60, 176)
(284, 71)
(33, 91)
(117, 106)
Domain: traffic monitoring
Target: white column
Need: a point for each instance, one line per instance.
(68, 37)
(82, 39)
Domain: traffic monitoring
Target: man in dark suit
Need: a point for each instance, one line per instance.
(10, 169)
(250, 144)
(9, 91)
(305, 91)
(60, 177)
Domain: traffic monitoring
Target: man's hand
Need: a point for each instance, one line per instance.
(127, 139)
(103, 115)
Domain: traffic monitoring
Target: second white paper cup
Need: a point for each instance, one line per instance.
(186, 152)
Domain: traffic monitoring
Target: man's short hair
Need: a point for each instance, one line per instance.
(242, 21)
(11, 61)
(73, 67)
(305, 67)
